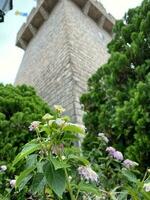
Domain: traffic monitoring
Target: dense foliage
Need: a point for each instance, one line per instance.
(56, 169)
(19, 106)
(118, 97)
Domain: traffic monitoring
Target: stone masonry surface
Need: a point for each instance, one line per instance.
(64, 52)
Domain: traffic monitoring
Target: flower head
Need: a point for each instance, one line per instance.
(103, 137)
(70, 178)
(3, 168)
(115, 154)
(129, 163)
(118, 155)
(12, 183)
(34, 125)
(63, 157)
(87, 173)
(59, 108)
(110, 150)
(146, 187)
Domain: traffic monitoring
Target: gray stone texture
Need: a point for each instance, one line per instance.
(63, 52)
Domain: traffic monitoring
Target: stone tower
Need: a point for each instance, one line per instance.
(65, 43)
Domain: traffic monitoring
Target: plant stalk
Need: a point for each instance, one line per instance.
(69, 186)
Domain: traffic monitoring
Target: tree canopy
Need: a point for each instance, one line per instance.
(118, 97)
(19, 106)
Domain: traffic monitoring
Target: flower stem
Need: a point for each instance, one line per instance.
(69, 186)
(145, 176)
(40, 141)
(78, 191)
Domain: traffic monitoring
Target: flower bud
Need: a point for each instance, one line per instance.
(12, 183)
(3, 168)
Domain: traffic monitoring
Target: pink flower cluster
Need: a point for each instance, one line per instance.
(129, 163)
(118, 156)
(87, 173)
(115, 154)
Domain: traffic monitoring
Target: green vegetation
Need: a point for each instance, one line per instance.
(118, 98)
(19, 106)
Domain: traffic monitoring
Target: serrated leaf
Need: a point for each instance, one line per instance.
(130, 176)
(31, 160)
(88, 188)
(27, 150)
(71, 137)
(38, 183)
(24, 177)
(55, 178)
(39, 166)
(59, 164)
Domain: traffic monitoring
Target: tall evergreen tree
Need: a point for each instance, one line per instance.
(118, 97)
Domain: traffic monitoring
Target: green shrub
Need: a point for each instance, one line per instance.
(117, 101)
(19, 106)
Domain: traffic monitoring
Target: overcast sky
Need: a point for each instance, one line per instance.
(11, 56)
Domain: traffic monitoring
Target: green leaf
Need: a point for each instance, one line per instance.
(89, 188)
(123, 195)
(38, 183)
(28, 149)
(129, 175)
(24, 177)
(78, 159)
(31, 160)
(59, 164)
(3, 198)
(132, 192)
(74, 128)
(146, 195)
(71, 137)
(39, 166)
(55, 178)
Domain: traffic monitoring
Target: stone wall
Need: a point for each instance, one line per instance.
(65, 51)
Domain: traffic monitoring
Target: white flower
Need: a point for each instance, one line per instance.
(129, 163)
(87, 173)
(34, 125)
(103, 137)
(70, 178)
(3, 168)
(59, 108)
(147, 187)
(12, 183)
(59, 121)
(63, 157)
